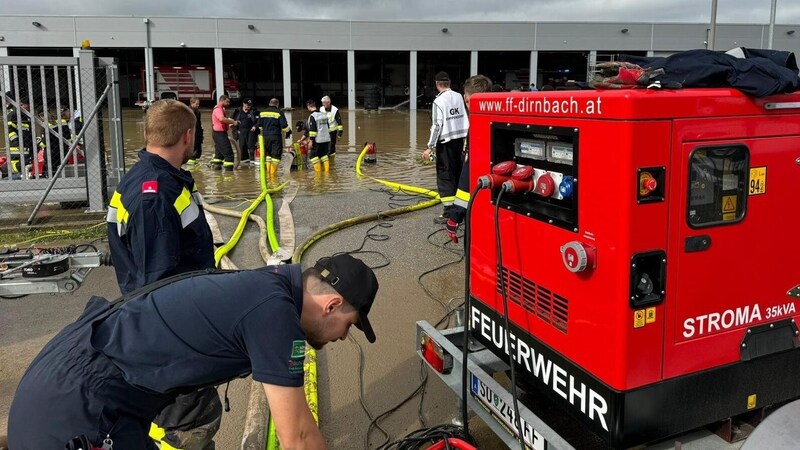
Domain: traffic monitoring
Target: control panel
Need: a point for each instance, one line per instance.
(545, 181)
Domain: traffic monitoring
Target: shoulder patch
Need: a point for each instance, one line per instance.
(150, 187)
(298, 349)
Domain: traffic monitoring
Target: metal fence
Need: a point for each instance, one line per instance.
(62, 131)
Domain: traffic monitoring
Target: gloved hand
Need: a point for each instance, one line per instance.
(452, 230)
(341, 132)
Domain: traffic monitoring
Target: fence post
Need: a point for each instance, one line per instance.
(94, 147)
(115, 126)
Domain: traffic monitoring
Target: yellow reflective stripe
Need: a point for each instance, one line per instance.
(14, 149)
(12, 135)
(462, 198)
(183, 201)
(286, 128)
(272, 114)
(312, 133)
(117, 214)
(187, 209)
(12, 124)
(448, 200)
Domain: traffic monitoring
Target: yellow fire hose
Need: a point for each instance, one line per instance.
(310, 366)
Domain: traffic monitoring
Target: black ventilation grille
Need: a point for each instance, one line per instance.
(536, 299)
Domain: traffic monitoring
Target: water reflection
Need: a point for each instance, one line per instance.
(400, 137)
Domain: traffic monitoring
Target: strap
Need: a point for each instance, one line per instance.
(116, 304)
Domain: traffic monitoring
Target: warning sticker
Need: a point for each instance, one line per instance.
(751, 401)
(729, 204)
(729, 207)
(650, 314)
(758, 181)
(638, 318)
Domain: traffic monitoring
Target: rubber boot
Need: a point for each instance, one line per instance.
(273, 170)
(326, 165)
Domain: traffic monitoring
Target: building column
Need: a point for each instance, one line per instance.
(591, 65)
(351, 80)
(287, 79)
(6, 75)
(219, 75)
(533, 67)
(473, 63)
(650, 53)
(412, 80)
(149, 71)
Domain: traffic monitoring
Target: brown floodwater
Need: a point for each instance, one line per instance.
(400, 137)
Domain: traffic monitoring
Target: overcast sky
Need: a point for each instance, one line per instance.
(728, 11)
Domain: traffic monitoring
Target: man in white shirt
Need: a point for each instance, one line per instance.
(448, 132)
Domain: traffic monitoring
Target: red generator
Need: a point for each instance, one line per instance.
(649, 253)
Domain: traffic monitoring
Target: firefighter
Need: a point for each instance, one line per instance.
(274, 127)
(104, 377)
(220, 122)
(60, 140)
(20, 136)
(448, 131)
(157, 228)
(247, 116)
(319, 137)
(194, 103)
(473, 85)
(334, 124)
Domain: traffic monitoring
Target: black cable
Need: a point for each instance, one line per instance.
(418, 439)
(426, 433)
(467, 305)
(517, 422)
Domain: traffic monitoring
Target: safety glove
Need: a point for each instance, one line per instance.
(452, 229)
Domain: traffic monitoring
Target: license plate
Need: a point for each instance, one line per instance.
(505, 414)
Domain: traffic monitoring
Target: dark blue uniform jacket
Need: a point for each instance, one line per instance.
(156, 224)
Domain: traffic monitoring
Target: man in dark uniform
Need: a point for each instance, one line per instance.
(194, 103)
(20, 135)
(473, 85)
(107, 375)
(319, 138)
(274, 127)
(60, 136)
(157, 228)
(248, 132)
(156, 225)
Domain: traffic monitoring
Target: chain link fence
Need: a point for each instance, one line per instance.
(61, 132)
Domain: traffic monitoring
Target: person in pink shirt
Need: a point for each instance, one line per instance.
(220, 122)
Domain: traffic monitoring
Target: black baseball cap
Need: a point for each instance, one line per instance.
(354, 281)
(248, 101)
(442, 76)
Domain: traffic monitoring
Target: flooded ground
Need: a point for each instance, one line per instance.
(400, 137)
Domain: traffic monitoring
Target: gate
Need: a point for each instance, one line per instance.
(62, 131)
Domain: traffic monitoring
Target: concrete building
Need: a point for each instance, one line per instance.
(363, 62)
